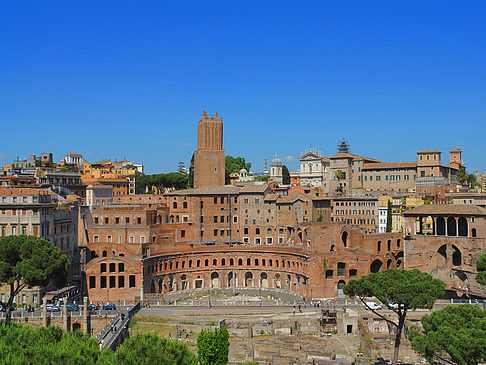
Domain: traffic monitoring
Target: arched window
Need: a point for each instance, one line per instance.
(388, 245)
(379, 246)
(206, 262)
(263, 262)
(240, 262)
(215, 262)
(248, 262)
(270, 262)
(198, 263)
(104, 253)
(223, 262)
(473, 232)
(232, 262)
(190, 263)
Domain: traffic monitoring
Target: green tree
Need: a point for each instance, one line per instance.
(472, 181)
(151, 349)
(319, 218)
(235, 164)
(454, 335)
(25, 345)
(181, 168)
(461, 175)
(27, 261)
(339, 175)
(405, 290)
(213, 346)
(285, 175)
(481, 267)
(389, 217)
(191, 173)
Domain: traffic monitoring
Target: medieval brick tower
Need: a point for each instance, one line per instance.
(209, 156)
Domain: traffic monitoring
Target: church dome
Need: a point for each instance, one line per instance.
(276, 161)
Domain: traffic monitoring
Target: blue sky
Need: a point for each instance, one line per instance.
(116, 79)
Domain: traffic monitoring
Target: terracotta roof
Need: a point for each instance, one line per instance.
(23, 191)
(446, 209)
(254, 188)
(271, 197)
(455, 150)
(296, 195)
(354, 157)
(429, 151)
(208, 190)
(389, 165)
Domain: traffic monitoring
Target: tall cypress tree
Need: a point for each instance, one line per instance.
(389, 217)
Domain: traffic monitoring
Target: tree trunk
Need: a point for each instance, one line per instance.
(398, 336)
(8, 307)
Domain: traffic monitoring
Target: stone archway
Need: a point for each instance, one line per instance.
(462, 227)
(451, 226)
(456, 256)
(376, 266)
(248, 279)
(340, 286)
(264, 280)
(184, 282)
(440, 223)
(215, 280)
(277, 282)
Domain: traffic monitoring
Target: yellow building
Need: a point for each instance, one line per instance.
(401, 203)
(120, 183)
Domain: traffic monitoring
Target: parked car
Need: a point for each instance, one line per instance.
(52, 308)
(373, 305)
(72, 307)
(93, 307)
(109, 306)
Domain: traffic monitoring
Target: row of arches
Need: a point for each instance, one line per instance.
(444, 226)
(217, 279)
(182, 264)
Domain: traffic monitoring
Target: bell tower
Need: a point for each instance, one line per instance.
(209, 156)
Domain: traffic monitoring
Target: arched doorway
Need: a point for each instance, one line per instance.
(462, 224)
(184, 282)
(214, 280)
(340, 286)
(288, 282)
(440, 226)
(230, 280)
(277, 282)
(160, 286)
(263, 280)
(248, 279)
(451, 226)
